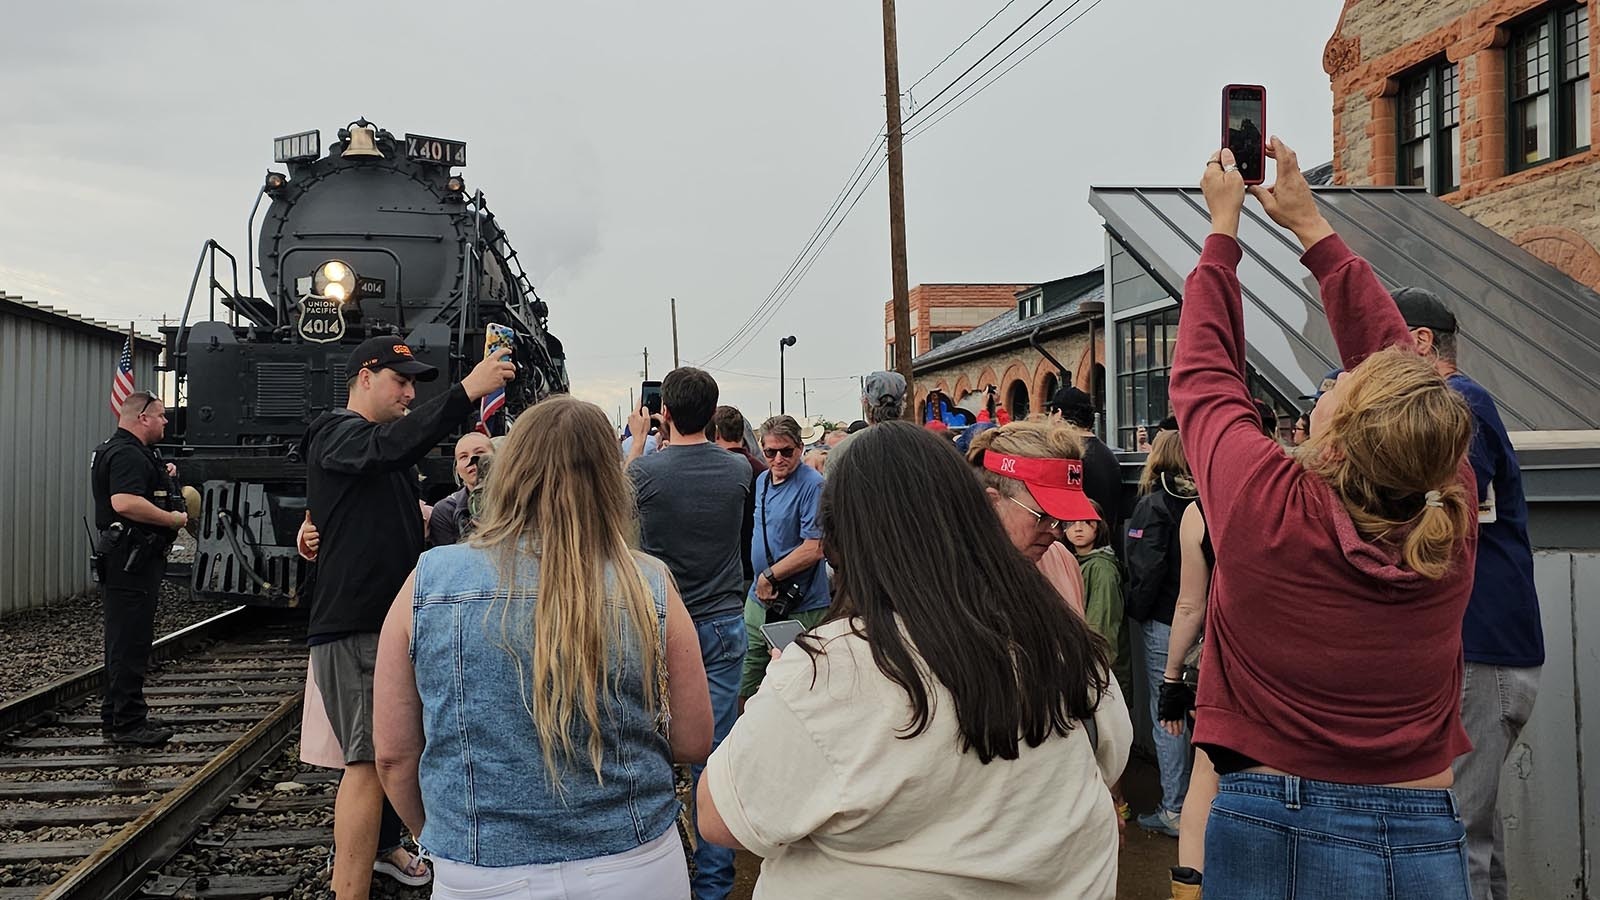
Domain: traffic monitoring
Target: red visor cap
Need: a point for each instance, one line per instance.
(1057, 484)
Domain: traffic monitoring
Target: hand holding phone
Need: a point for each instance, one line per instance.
(1244, 129)
(650, 396)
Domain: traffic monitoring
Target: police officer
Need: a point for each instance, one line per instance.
(138, 514)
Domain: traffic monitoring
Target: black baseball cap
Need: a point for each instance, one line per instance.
(1422, 308)
(388, 353)
(1074, 405)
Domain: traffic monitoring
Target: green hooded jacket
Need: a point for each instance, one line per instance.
(1102, 608)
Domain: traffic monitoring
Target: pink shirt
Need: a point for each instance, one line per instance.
(1060, 569)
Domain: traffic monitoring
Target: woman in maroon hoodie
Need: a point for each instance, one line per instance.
(1331, 685)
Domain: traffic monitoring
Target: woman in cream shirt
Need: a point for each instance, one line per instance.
(948, 731)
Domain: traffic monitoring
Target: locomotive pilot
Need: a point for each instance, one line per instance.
(138, 514)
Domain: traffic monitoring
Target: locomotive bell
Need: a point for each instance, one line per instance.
(363, 142)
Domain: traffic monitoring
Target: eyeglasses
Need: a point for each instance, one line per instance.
(149, 398)
(770, 452)
(1049, 523)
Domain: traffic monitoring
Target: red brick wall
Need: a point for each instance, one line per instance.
(924, 298)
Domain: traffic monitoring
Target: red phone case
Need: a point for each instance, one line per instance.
(1262, 125)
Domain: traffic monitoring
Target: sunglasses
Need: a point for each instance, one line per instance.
(149, 398)
(770, 452)
(1049, 523)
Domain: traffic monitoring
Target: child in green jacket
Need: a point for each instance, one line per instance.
(1102, 601)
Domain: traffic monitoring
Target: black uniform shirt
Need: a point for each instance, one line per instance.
(124, 465)
(361, 488)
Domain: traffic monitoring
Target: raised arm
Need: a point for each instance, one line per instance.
(1218, 420)
(1361, 313)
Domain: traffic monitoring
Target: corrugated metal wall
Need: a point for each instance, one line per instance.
(55, 394)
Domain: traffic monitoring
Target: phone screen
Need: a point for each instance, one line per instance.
(650, 397)
(782, 633)
(1246, 117)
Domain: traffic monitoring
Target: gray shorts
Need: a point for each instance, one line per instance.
(344, 676)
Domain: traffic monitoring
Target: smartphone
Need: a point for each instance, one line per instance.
(781, 634)
(650, 396)
(498, 337)
(1244, 129)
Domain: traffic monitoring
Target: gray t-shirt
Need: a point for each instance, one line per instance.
(691, 511)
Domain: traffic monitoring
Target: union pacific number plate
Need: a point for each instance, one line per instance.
(436, 150)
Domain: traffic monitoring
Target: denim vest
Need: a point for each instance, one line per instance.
(487, 793)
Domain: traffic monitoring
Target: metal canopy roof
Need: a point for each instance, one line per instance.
(1529, 334)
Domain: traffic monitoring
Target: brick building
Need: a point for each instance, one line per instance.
(1489, 105)
(940, 313)
(1005, 350)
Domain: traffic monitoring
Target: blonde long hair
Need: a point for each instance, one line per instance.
(1166, 458)
(1399, 434)
(558, 492)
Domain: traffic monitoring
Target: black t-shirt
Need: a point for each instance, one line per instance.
(124, 465)
(361, 488)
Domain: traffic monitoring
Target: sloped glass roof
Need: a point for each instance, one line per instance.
(1528, 333)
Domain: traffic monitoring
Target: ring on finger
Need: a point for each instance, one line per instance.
(1230, 168)
(1216, 162)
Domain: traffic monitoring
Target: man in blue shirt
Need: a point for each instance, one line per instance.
(785, 546)
(1501, 636)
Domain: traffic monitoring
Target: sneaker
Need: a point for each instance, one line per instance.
(145, 735)
(1162, 821)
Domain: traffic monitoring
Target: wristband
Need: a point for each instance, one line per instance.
(771, 578)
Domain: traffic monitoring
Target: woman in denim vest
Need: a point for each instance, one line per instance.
(524, 681)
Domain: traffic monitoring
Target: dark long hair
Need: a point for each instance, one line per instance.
(916, 545)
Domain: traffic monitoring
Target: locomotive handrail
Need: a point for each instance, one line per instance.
(250, 255)
(207, 250)
(399, 272)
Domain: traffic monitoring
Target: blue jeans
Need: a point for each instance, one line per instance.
(1280, 836)
(722, 649)
(1172, 753)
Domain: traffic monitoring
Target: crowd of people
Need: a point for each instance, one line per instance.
(977, 618)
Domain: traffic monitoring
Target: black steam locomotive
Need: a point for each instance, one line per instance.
(379, 236)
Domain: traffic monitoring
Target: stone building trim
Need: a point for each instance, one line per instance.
(1563, 248)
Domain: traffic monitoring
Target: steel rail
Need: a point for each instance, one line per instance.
(119, 868)
(15, 714)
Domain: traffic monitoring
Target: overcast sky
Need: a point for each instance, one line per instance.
(633, 151)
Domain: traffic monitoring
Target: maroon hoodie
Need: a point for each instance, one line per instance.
(1325, 657)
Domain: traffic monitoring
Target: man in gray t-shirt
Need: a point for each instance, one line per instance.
(691, 498)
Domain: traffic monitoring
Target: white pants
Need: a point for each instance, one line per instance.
(653, 871)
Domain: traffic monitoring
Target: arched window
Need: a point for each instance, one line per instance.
(1017, 399)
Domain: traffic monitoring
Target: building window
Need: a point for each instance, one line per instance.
(1430, 128)
(937, 339)
(1549, 91)
(1030, 306)
(1145, 350)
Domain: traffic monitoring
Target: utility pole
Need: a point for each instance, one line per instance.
(805, 398)
(674, 332)
(897, 205)
(647, 364)
(862, 380)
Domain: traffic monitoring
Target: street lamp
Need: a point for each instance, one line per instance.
(782, 343)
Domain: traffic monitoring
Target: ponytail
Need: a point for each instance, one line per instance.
(1437, 531)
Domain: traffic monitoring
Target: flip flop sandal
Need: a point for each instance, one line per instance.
(415, 874)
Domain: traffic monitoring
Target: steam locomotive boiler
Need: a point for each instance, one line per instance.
(378, 236)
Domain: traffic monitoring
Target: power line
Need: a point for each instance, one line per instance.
(795, 283)
(951, 109)
(850, 183)
(959, 46)
(980, 60)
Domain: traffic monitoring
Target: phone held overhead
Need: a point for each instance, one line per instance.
(1244, 129)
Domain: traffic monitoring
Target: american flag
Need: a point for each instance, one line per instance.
(487, 407)
(122, 384)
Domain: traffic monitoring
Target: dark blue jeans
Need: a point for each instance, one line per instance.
(1279, 837)
(722, 645)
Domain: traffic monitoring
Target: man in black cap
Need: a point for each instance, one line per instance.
(1502, 639)
(361, 493)
(1102, 474)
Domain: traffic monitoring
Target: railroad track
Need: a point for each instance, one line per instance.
(84, 818)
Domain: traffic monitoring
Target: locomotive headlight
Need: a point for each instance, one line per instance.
(334, 280)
